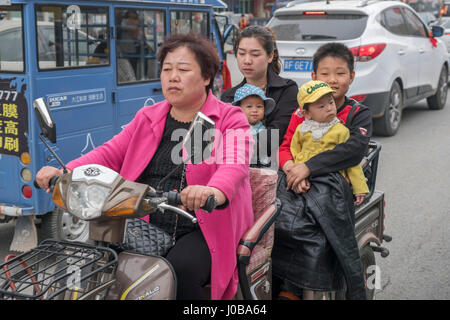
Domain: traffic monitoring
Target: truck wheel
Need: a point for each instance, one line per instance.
(368, 259)
(61, 225)
(389, 123)
(437, 102)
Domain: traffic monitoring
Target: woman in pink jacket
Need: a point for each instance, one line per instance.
(145, 151)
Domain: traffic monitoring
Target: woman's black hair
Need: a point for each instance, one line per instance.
(266, 38)
(335, 50)
(204, 51)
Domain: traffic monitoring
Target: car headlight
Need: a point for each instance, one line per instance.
(86, 201)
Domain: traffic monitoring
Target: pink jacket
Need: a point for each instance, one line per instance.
(131, 150)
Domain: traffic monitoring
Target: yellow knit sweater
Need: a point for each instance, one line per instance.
(304, 147)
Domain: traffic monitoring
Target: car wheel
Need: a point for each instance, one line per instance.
(438, 101)
(61, 225)
(389, 123)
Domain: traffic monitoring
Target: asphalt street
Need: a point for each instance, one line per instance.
(413, 173)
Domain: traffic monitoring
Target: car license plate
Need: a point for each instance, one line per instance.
(298, 65)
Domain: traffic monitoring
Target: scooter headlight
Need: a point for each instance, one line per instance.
(86, 201)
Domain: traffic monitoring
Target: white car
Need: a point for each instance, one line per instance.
(396, 61)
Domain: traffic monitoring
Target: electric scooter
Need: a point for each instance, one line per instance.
(78, 271)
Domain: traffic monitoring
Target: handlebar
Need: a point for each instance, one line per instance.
(51, 183)
(174, 199)
(171, 201)
(376, 146)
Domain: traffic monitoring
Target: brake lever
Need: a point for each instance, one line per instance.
(174, 198)
(165, 206)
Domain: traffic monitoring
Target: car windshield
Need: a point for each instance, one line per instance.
(427, 17)
(445, 23)
(301, 27)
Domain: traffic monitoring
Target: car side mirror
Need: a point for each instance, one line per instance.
(437, 31)
(199, 139)
(45, 120)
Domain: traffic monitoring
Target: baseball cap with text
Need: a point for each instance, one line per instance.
(312, 91)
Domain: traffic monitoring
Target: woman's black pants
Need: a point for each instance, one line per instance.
(191, 259)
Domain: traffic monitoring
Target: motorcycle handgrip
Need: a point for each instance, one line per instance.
(210, 204)
(51, 183)
(174, 199)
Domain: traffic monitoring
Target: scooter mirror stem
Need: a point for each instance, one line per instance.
(53, 153)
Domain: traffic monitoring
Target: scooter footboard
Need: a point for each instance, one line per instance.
(143, 277)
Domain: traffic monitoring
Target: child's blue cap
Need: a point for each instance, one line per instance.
(250, 90)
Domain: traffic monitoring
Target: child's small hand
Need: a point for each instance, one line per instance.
(302, 186)
(288, 166)
(297, 173)
(359, 198)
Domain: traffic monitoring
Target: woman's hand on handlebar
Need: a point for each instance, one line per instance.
(44, 175)
(194, 197)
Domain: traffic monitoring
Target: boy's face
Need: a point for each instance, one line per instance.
(253, 107)
(323, 110)
(335, 72)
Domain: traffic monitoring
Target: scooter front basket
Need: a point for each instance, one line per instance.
(58, 270)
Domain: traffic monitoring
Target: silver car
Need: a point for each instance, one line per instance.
(396, 61)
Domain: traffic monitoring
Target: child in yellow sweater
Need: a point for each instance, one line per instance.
(322, 131)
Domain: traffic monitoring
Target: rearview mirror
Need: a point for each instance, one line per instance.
(199, 139)
(45, 120)
(230, 33)
(437, 31)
